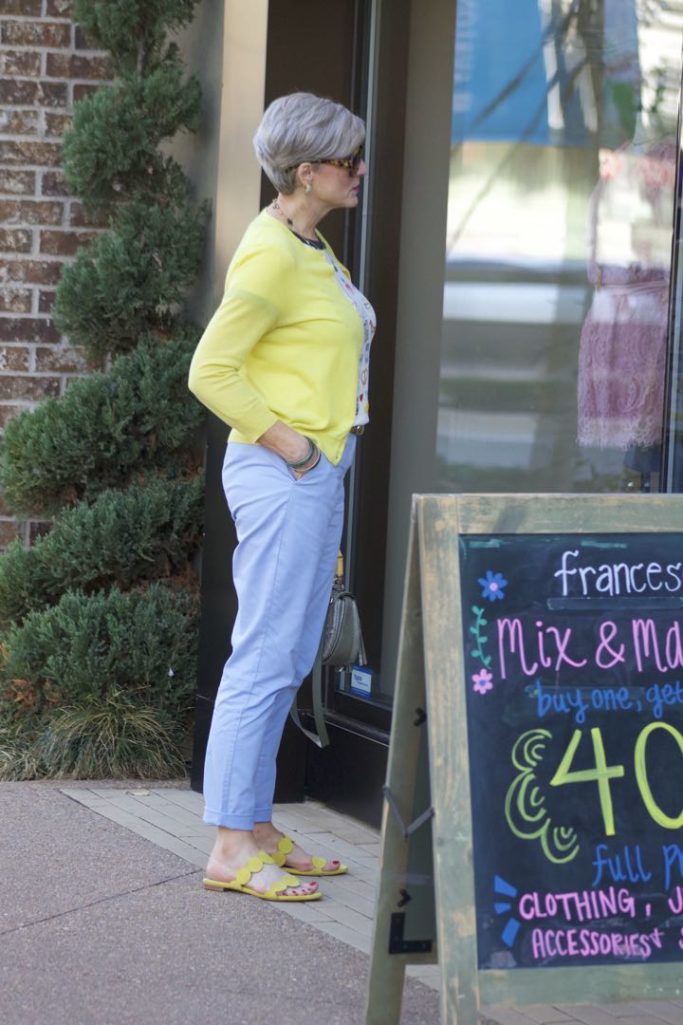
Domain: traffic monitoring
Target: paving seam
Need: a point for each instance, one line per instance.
(93, 903)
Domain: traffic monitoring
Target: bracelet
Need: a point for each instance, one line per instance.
(312, 448)
(313, 465)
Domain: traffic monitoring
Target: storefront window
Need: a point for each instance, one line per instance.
(558, 252)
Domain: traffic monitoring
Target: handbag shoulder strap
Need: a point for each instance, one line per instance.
(322, 738)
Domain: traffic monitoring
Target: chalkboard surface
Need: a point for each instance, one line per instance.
(574, 676)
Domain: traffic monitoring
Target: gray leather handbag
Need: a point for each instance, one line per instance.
(342, 643)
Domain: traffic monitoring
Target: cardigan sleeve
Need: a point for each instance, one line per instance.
(255, 291)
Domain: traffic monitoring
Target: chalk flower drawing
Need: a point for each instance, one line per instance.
(483, 681)
(479, 636)
(493, 586)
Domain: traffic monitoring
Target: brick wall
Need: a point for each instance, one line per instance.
(46, 65)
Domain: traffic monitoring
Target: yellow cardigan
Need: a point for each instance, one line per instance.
(283, 345)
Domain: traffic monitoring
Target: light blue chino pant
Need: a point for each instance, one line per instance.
(288, 534)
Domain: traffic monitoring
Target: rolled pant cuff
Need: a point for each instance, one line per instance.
(217, 818)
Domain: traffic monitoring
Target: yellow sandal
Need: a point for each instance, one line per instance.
(275, 892)
(286, 845)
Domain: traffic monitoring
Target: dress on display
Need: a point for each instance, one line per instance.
(623, 345)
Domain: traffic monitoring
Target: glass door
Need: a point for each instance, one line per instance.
(558, 249)
(536, 254)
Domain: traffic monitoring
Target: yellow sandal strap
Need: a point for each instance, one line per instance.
(253, 866)
(283, 883)
(285, 846)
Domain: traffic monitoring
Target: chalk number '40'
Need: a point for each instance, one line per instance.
(602, 774)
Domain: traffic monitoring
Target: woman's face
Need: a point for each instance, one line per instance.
(338, 186)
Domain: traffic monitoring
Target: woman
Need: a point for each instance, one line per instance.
(284, 361)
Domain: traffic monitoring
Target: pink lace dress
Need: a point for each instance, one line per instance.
(622, 359)
(623, 344)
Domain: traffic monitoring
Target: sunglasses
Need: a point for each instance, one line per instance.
(350, 164)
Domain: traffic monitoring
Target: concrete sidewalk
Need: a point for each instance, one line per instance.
(104, 921)
(101, 926)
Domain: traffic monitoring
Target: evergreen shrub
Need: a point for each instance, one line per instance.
(89, 648)
(146, 532)
(129, 28)
(98, 657)
(112, 147)
(107, 429)
(129, 281)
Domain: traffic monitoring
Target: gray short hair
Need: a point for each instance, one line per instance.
(302, 127)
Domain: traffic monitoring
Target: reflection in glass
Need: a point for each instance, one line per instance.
(558, 244)
(622, 350)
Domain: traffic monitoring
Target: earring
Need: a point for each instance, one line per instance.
(307, 187)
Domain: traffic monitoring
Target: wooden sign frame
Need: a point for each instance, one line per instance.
(431, 677)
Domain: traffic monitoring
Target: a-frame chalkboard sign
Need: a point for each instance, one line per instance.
(533, 828)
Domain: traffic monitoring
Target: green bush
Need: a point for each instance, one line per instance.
(98, 660)
(112, 147)
(129, 281)
(19, 758)
(148, 532)
(127, 27)
(116, 739)
(89, 648)
(108, 430)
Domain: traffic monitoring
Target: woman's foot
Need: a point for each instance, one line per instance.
(296, 859)
(233, 850)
